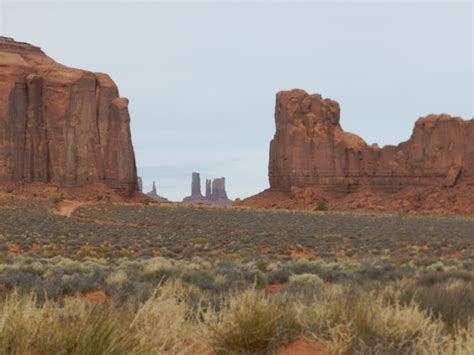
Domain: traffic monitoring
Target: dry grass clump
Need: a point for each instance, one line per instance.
(306, 280)
(250, 322)
(162, 325)
(166, 325)
(74, 328)
(350, 321)
(447, 295)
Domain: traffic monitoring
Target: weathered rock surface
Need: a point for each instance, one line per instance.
(154, 196)
(312, 158)
(208, 188)
(215, 192)
(140, 184)
(59, 125)
(218, 190)
(196, 195)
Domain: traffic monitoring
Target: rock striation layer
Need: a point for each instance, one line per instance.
(60, 125)
(310, 151)
(310, 148)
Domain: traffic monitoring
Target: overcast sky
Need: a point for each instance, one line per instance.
(202, 76)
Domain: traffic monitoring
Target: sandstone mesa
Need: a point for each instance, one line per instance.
(61, 126)
(312, 158)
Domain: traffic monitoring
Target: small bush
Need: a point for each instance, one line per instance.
(248, 323)
(321, 206)
(57, 200)
(306, 280)
(451, 300)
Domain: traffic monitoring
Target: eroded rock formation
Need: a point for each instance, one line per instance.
(208, 188)
(215, 192)
(311, 155)
(59, 125)
(154, 195)
(218, 190)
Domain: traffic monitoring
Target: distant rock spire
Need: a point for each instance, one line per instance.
(215, 192)
(218, 189)
(154, 196)
(208, 188)
(196, 185)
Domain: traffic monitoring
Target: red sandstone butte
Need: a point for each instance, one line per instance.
(60, 125)
(312, 158)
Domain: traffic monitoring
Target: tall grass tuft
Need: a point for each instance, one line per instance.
(249, 322)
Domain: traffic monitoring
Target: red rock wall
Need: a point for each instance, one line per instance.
(311, 149)
(61, 125)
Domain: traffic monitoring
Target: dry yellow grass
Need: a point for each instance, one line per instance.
(174, 321)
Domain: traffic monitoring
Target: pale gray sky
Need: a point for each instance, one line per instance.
(202, 76)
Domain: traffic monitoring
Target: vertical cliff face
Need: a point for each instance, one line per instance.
(196, 185)
(218, 190)
(208, 188)
(61, 125)
(310, 149)
(140, 184)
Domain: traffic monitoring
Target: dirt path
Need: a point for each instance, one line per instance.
(67, 207)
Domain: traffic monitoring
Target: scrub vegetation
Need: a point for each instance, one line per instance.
(148, 279)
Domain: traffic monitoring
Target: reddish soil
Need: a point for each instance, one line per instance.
(93, 297)
(92, 192)
(273, 288)
(66, 208)
(441, 201)
(302, 254)
(98, 297)
(303, 346)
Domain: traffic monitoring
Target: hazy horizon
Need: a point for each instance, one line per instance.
(202, 76)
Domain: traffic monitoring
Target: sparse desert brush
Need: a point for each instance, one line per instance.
(75, 328)
(156, 264)
(321, 206)
(166, 325)
(181, 318)
(437, 266)
(249, 322)
(116, 278)
(306, 280)
(162, 325)
(449, 298)
(349, 322)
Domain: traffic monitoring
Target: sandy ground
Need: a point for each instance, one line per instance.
(302, 346)
(67, 207)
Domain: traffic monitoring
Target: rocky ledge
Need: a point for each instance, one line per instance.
(312, 158)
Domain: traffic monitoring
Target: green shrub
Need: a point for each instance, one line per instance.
(321, 206)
